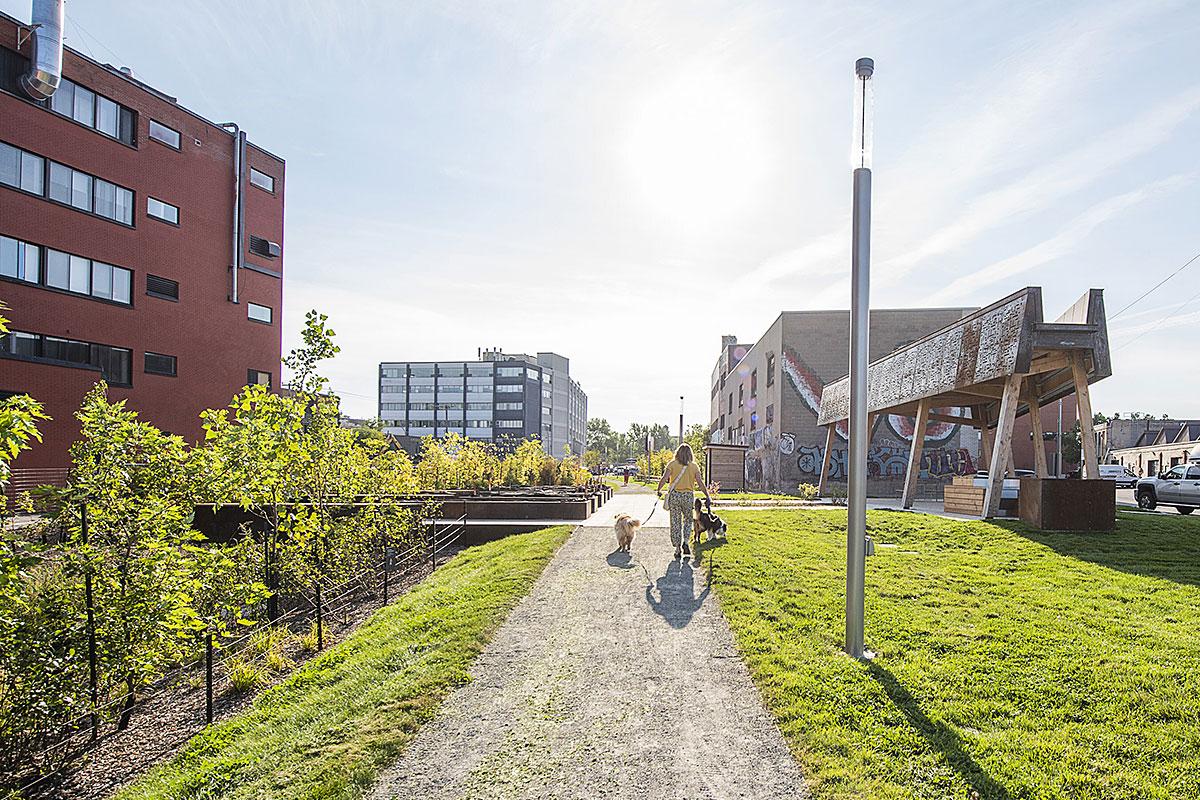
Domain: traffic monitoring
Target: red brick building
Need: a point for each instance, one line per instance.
(118, 252)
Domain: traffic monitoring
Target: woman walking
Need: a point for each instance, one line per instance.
(682, 474)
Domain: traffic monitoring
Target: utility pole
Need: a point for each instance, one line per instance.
(681, 419)
(860, 304)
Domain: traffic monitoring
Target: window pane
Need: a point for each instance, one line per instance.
(8, 257)
(123, 211)
(106, 198)
(85, 106)
(81, 270)
(164, 134)
(65, 350)
(81, 190)
(128, 133)
(20, 344)
(101, 280)
(60, 182)
(262, 180)
(32, 263)
(58, 269)
(10, 165)
(114, 363)
(164, 211)
(106, 116)
(63, 99)
(122, 281)
(32, 173)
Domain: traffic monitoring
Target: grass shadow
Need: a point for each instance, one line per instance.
(1151, 545)
(940, 736)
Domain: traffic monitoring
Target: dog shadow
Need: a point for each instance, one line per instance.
(677, 601)
(620, 559)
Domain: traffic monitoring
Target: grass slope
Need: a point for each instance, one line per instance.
(1013, 663)
(331, 727)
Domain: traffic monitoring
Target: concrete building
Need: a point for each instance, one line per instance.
(1148, 446)
(139, 243)
(501, 398)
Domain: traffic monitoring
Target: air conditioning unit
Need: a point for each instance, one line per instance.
(264, 247)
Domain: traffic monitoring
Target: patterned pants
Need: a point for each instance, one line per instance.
(680, 504)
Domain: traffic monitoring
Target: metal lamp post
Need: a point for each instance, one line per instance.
(680, 419)
(860, 301)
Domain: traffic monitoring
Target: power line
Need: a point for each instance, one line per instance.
(1168, 318)
(1153, 288)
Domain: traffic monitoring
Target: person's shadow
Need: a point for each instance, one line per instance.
(677, 601)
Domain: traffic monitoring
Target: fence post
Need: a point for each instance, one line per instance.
(93, 681)
(320, 621)
(208, 678)
(272, 575)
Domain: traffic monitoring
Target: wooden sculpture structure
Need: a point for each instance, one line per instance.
(995, 364)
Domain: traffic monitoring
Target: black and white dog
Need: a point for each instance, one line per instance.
(705, 521)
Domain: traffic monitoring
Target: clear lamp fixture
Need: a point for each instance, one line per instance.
(864, 113)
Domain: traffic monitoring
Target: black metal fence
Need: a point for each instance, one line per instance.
(289, 608)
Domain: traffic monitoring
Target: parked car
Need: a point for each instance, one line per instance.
(1179, 486)
(1124, 477)
(1011, 486)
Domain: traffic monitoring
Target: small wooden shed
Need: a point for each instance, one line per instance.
(726, 464)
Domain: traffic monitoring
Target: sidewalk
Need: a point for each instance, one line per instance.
(616, 677)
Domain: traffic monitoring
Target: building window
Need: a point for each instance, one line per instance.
(754, 383)
(158, 364)
(741, 395)
(162, 133)
(508, 372)
(20, 260)
(770, 369)
(262, 180)
(770, 414)
(27, 172)
(509, 388)
(93, 110)
(164, 211)
(23, 261)
(258, 313)
(510, 406)
(255, 377)
(163, 288)
(510, 423)
(114, 363)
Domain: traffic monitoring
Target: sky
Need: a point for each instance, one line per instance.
(625, 182)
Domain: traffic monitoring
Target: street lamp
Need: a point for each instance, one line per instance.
(860, 302)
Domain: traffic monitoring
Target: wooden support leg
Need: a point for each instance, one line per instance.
(1002, 447)
(1083, 402)
(914, 453)
(830, 438)
(1035, 423)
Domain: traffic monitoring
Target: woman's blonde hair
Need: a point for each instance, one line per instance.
(683, 454)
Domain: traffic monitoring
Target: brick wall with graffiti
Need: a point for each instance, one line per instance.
(791, 451)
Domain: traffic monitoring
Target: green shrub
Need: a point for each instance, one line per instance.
(807, 491)
(244, 675)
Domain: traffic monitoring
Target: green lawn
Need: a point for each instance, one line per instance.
(331, 727)
(1014, 663)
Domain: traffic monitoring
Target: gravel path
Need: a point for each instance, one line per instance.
(617, 678)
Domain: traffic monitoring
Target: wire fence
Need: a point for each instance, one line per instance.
(293, 607)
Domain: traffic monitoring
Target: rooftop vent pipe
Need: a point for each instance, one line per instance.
(45, 68)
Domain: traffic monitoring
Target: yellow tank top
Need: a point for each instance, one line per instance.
(689, 480)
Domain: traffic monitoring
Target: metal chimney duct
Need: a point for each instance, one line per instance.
(45, 68)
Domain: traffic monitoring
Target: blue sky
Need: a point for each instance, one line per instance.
(624, 182)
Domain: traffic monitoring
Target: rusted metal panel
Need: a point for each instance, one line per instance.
(985, 345)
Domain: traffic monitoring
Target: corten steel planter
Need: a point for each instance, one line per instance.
(1060, 504)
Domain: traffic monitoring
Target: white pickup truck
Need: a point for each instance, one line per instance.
(1179, 486)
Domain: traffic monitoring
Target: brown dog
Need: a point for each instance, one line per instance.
(625, 526)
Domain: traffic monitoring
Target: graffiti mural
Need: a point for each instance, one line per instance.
(888, 462)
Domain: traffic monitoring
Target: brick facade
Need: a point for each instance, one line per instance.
(213, 341)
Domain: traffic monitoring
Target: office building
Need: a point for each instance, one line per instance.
(500, 397)
(139, 242)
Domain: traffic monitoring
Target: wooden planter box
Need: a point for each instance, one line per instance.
(1059, 504)
(962, 496)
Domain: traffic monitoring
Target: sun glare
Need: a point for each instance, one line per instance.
(696, 151)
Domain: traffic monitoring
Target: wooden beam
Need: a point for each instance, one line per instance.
(1083, 402)
(982, 390)
(953, 420)
(1002, 447)
(914, 453)
(1035, 423)
(830, 437)
(1049, 362)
